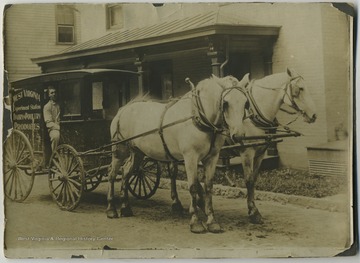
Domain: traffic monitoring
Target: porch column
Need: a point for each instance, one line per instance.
(138, 64)
(216, 58)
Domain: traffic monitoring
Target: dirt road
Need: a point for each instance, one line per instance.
(38, 228)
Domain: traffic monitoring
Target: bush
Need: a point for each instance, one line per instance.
(286, 181)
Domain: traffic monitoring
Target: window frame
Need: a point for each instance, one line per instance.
(108, 8)
(59, 25)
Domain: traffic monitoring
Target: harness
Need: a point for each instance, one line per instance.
(199, 118)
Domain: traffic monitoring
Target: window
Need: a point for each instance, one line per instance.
(114, 16)
(65, 21)
(97, 96)
(70, 99)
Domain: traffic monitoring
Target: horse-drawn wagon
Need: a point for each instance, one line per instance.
(88, 99)
(97, 138)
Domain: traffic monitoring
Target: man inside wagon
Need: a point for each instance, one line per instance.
(52, 118)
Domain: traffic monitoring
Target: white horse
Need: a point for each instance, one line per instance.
(189, 129)
(266, 96)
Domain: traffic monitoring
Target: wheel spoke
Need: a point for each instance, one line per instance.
(61, 190)
(12, 183)
(136, 182)
(63, 199)
(55, 172)
(57, 165)
(74, 189)
(70, 165)
(19, 182)
(8, 158)
(56, 187)
(16, 184)
(18, 151)
(69, 193)
(10, 176)
(152, 179)
(132, 179)
(24, 158)
(72, 170)
(147, 182)
(75, 182)
(144, 186)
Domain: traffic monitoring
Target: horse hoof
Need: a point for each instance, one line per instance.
(256, 218)
(112, 214)
(197, 228)
(126, 212)
(176, 208)
(214, 228)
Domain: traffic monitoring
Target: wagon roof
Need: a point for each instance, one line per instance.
(68, 74)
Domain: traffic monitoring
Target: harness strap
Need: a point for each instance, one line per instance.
(161, 131)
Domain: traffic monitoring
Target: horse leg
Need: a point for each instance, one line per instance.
(210, 166)
(191, 164)
(131, 166)
(111, 209)
(251, 168)
(200, 191)
(176, 206)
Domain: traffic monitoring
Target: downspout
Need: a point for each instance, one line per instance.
(227, 57)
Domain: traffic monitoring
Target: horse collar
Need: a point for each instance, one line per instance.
(200, 120)
(255, 114)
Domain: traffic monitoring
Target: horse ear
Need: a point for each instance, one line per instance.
(289, 72)
(245, 80)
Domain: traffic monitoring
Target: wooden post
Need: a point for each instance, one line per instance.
(216, 57)
(138, 64)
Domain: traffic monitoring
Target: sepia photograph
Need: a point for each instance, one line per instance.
(179, 130)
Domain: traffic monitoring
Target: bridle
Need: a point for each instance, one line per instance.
(258, 118)
(290, 96)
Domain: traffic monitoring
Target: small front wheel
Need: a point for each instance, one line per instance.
(66, 177)
(145, 182)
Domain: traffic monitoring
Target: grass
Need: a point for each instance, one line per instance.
(284, 180)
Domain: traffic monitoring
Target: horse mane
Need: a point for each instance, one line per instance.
(226, 82)
(272, 81)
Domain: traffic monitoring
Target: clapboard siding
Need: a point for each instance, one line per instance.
(30, 33)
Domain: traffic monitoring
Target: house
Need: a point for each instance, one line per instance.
(170, 42)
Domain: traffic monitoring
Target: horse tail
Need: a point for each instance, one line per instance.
(115, 134)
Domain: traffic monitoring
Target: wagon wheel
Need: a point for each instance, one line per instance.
(92, 182)
(19, 172)
(94, 176)
(144, 184)
(66, 177)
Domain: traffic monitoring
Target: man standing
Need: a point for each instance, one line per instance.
(52, 118)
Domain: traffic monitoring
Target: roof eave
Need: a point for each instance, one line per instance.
(173, 37)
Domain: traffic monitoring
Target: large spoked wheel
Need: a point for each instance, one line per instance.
(66, 177)
(18, 166)
(144, 184)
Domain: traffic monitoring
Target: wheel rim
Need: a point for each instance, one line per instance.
(145, 182)
(18, 166)
(66, 177)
